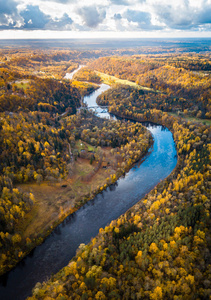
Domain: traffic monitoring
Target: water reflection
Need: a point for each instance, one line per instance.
(113, 187)
(57, 230)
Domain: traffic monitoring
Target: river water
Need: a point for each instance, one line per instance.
(84, 224)
(91, 102)
(70, 75)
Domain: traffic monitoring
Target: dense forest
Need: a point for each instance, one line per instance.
(42, 139)
(21, 93)
(86, 74)
(183, 79)
(37, 148)
(160, 248)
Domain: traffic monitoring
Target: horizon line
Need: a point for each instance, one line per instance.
(49, 34)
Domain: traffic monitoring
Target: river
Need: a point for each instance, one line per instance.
(61, 245)
(70, 75)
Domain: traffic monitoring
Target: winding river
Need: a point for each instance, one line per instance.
(84, 224)
(70, 75)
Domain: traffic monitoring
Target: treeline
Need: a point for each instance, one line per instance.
(14, 205)
(85, 88)
(85, 74)
(182, 84)
(159, 249)
(53, 96)
(53, 64)
(125, 67)
(34, 147)
(194, 62)
(125, 97)
(165, 74)
(56, 63)
(21, 93)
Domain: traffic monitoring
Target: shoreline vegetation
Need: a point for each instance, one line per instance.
(161, 233)
(101, 151)
(112, 80)
(78, 202)
(159, 249)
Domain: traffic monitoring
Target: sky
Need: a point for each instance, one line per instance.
(104, 18)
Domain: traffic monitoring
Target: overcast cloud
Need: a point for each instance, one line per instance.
(106, 15)
(92, 16)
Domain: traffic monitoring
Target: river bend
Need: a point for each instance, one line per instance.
(61, 245)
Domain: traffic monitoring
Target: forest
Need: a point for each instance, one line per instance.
(37, 148)
(45, 145)
(158, 249)
(184, 79)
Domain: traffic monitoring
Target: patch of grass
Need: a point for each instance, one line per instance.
(90, 148)
(80, 145)
(192, 119)
(82, 167)
(45, 210)
(203, 121)
(52, 199)
(24, 223)
(23, 84)
(108, 79)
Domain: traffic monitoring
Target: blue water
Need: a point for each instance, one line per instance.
(79, 228)
(91, 102)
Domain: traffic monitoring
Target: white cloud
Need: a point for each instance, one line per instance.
(106, 15)
(92, 16)
(183, 14)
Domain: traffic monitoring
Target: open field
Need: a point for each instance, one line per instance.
(108, 79)
(22, 84)
(193, 119)
(52, 201)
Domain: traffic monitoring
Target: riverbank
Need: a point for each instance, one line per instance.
(110, 202)
(158, 241)
(84, 224)
(54, 201)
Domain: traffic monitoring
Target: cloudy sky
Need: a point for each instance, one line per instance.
(104, 18)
